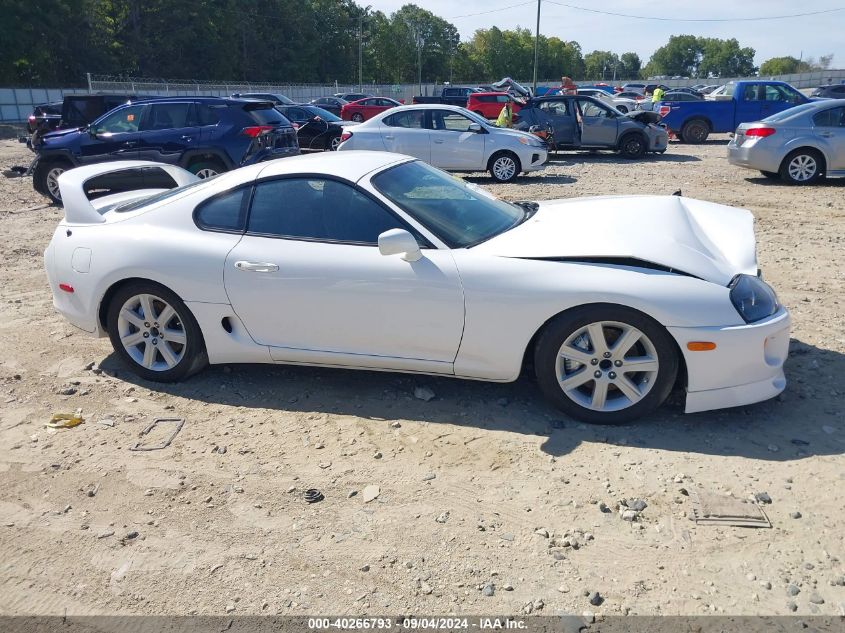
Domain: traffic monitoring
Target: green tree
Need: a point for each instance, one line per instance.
(781, 66)
(630, 66)
(600, 65)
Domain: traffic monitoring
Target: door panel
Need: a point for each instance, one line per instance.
(413, 142)
(346, 299)
(560, 113)
(599, 126)
(116, 136)
(452, 145)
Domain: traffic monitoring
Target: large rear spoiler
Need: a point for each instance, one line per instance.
(74, 185)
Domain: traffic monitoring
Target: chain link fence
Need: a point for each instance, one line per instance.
(17, 103)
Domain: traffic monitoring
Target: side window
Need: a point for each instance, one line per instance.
(751, 92)
(207, 115)
(449, 121)
(296, 114)
(224, 212)
(588, 108)
(318, 209)
(122, 121)
(554, 108)
(166, 116)
(835, 117)
(502, 98)
(409, 119)
(839, 90)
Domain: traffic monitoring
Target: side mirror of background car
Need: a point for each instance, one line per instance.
(475, 127)
(396, 241)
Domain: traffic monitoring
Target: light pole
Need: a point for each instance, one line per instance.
(360, 53)
(536, 46)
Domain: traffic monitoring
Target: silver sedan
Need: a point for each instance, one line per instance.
(799, 145)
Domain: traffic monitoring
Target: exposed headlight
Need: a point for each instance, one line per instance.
(753, 298)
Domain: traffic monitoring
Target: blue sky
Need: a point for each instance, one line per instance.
(814, 35)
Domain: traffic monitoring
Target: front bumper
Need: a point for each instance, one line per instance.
(535, 159)
(752, 157)
(745, 367)
(658, 139)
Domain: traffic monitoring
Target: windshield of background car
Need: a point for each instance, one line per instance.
(458, 214)
(791, 112)
(323, 114)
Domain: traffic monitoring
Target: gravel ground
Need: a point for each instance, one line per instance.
(480, 500)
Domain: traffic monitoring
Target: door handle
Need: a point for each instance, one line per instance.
(439, 141)
(826, 134)
(187, 137)
(389, 137)
(129, 144)
(256, 267)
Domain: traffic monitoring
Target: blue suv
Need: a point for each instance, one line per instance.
(205, 135)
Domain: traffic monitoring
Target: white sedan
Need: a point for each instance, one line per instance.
(450, 138)
(372, 260)
(623, 104)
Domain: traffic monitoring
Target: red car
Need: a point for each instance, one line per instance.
(490, 104)
(364, 109)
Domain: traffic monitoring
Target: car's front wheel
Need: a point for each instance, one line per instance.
(605, 364)
(154, 333)
(504, 167)
(45, 179)
(633, 146)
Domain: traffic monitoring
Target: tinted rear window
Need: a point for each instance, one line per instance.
(226, 212)
(266, 115)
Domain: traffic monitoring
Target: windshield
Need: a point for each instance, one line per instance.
(457, 213)
(323, 114)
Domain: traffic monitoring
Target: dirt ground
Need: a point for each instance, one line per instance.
(488, 500)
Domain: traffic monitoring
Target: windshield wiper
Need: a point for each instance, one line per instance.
(528, 207)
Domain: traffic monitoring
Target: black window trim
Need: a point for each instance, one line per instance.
(246, 203)
(424, 242)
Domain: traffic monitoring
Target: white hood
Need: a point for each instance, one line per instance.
(707, 240)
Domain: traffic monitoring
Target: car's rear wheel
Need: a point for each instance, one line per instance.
(605, 364)
(802, 167)
(206, 168)
(622, 108)
(632, 146)
(45, 178)
(334, 143)
(504, 166)
(357, 117)
(154, 333)
(695, 131)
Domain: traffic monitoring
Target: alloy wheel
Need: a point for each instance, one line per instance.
(802, 168)
(607, 366)
(152, 332)
(53, 182)
(504, 168)
(206, 172)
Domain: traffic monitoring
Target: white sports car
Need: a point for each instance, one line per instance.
(378, 261)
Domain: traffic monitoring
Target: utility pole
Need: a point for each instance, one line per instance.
(419, 66)
(536, 46)
(361, 53)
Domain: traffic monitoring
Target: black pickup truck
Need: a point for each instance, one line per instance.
(453, 95)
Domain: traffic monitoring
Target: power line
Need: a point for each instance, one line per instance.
(662, 19)
(470, 15)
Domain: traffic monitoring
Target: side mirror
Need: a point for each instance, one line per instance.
(475, 127)
(92, 132)
(399, 241)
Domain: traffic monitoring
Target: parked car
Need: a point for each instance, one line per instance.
(206, 135)
(490, 104)
(365, 109)
(602, 126)
(332, 104)
(650, 88)
(452, 138)
(377, 261)
(745, 101)
(275, 99)
(634, 87)
(46, 115)
(709, 89)
(352, 96)
(451, 95)
(622, 104)
(691, 91)
(799, 145)
(630, 94)
(679, 95)
(315, 128)
(834, 91)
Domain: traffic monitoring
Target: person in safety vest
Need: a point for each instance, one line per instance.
(657, 95)
(505, 118)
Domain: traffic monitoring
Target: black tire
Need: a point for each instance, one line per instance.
(771, 175)
(44, 178)
(655, 338)
(191, 354)
(497, 169)
(206, 168)
(334, 141)
(358, 117)
(809, 157)
(695, 131)
(622, 108)
(633, 145)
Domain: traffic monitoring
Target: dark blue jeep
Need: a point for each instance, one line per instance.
(205, 135)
